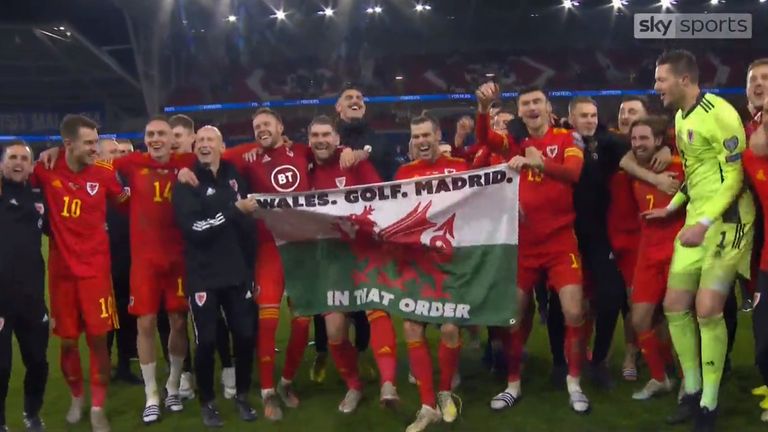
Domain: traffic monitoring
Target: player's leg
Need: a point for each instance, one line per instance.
(224, 348)
(384, 344)
(6, 358)
(297, 344)
(448, 358)
(126, 336)
(556, 333)
(345, 357)
(730, 316)
(97, 304)
(146, 294)
(65, 315)
(359, 320)
(626, 258)
(684, 273)
(649, 287)
(317, 373)
(759, 324)
(513, 338)
(205, 307)
(572, 300)
(269, 294)
(240, 316)
(177, 306)
(32, 333)
(420, 364)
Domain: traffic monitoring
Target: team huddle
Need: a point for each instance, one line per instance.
(611, 223)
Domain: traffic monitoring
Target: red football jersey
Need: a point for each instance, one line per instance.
(546, 198)
(153, 232)
(77, 213)
(329, 175)
(421, 168)
(756, 168)
(657, 236)
(622, 211)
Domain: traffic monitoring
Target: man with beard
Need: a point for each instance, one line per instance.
(428, 161)
(327, 174)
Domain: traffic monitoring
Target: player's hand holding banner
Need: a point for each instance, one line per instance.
(437, 249)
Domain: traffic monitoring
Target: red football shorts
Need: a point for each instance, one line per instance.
(559, 268)
(649, 284)
(625, 248)
(269, 277)
(154, 283)
(81, 304)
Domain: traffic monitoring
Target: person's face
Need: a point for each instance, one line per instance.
(84, 149)
(630, 111)
(584, 119)
(17, 163)
(158, 138)
(757, 86)
(644, 144)
(208, 146)
(534, 109)
(267, 130)
(323, 141)
(425, 142)
(669, 86)
(183, 140)
(351, 105)
(108, 149)
(124, 149)
(501, 120)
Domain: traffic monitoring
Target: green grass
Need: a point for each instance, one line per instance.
(543, 408)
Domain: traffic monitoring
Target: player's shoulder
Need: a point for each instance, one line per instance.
(411, 164)
(717, 105)
(103, 165)
(560, 131)
(455, 160)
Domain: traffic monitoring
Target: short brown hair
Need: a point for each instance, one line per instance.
(182, 120)
(322, 120)
(757, 63)
(657, 124)
(159, 117)
(635, 98)
(580, 100)
(530, 89)
(71, 124)
(682, 62)
(268, 111)
(424, 118)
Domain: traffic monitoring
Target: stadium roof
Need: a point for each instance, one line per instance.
(43, 65)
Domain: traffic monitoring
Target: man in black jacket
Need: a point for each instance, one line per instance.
(216, 223)
(356, 133)
(22, 283)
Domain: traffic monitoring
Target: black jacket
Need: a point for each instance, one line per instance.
(22, 223)
(119, 243)
(384, 157)
(218, 238)
(591, 197)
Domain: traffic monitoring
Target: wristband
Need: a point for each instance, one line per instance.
(706, 221)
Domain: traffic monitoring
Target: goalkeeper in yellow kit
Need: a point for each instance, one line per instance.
(716, 243)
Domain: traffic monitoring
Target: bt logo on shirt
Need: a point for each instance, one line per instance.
(285, 178)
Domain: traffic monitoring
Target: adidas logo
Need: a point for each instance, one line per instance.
(13, 201)
(45, 318)
(248, 295)
(210, 191)
(266, 159)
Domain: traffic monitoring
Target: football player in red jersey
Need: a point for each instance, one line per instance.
(76, 191)
(327, 174)
(157, 267)
(549, 162)
(183, 133)
(427, 161)
(649, 283)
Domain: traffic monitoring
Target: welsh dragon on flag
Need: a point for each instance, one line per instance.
(436, 249)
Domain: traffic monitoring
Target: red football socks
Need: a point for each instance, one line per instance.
(421, 368)
(268, 320)
(99, 369)
(72, 370)
(384, 345)
(345, 357)
(448, 357)
(513, 345)
(574, 349)
(297, 343)
(652, 352)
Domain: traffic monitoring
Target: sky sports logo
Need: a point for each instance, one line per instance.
(693, 26)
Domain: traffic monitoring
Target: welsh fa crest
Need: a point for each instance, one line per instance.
(552, 151)
(92, 188)
(200, 298)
